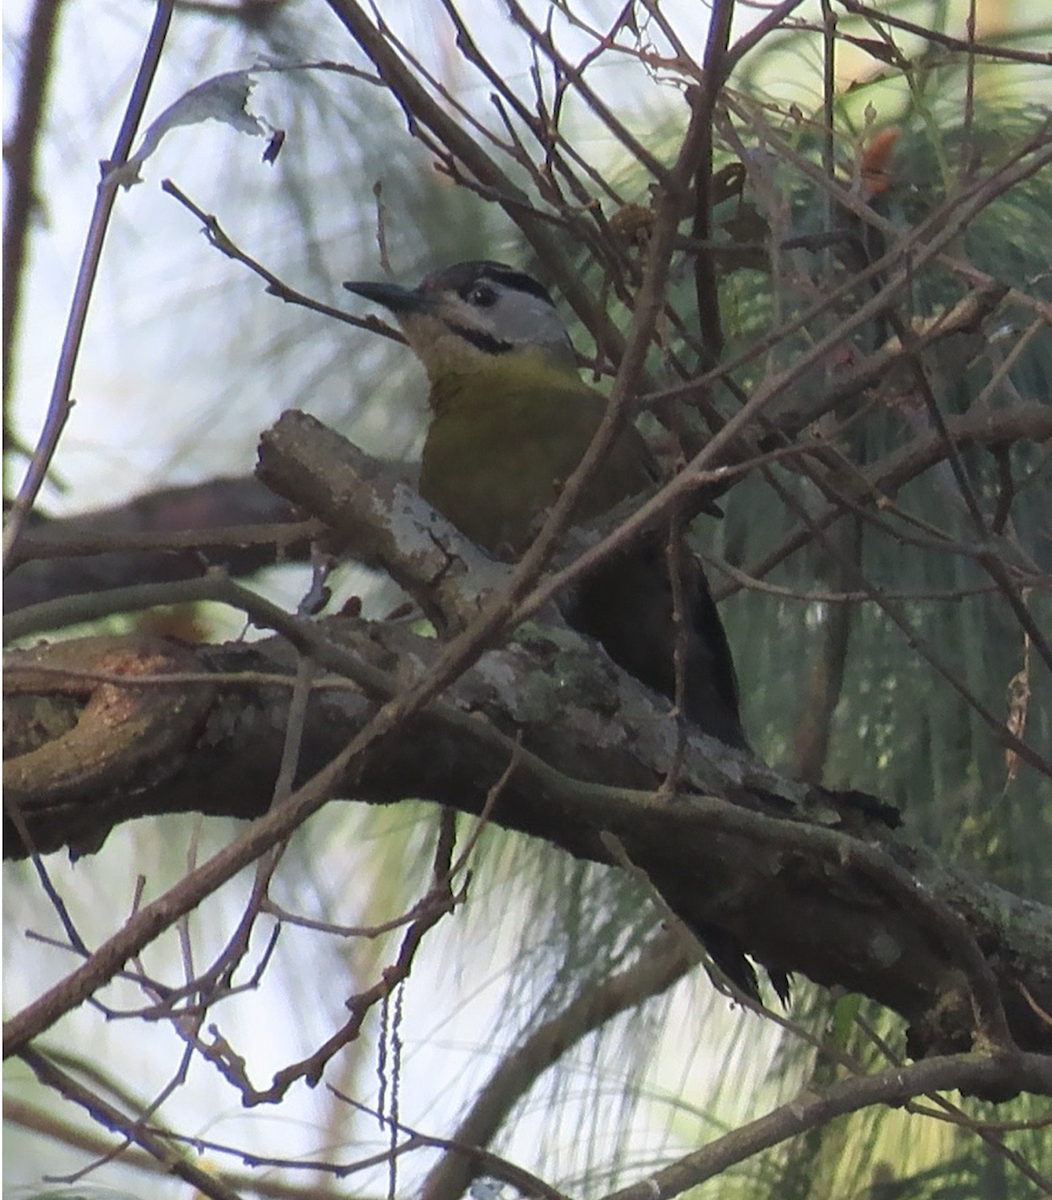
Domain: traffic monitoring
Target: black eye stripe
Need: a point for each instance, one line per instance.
(517, 280)
(466, 275)
(479, 294)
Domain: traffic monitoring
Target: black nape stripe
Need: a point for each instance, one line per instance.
(486, 342)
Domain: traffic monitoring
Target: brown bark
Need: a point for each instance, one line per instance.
(807, 880)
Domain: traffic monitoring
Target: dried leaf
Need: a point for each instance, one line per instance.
(221, 98)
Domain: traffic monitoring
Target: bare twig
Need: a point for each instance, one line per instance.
(60, 404)
(20, 154)
(661, 963)
(981, 49)
(109, 1115)
(810, 1110)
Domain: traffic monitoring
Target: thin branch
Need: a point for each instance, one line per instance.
(217, 237)
(661, 963)
(1042, 58)
(112, 1118)
(422, 110)
(60, 404)
(20, 154)
(44, 1123)
(808, 1111)
(543, 40)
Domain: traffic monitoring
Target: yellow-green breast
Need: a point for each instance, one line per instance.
(505, 436)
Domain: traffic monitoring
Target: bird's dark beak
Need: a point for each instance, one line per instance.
(392, 296)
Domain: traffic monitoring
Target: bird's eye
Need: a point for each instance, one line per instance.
(482, 295)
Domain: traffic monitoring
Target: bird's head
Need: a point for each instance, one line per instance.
(472, 313)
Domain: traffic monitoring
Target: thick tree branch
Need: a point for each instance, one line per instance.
(809, 881)
(159, 537)
(241, 525)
